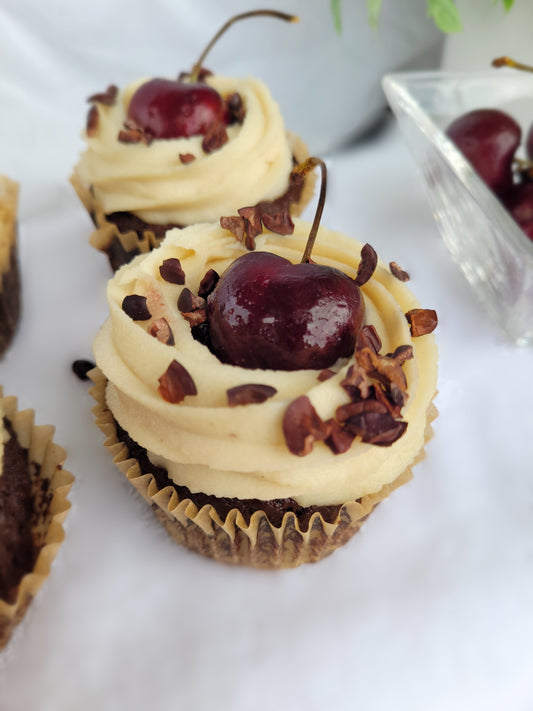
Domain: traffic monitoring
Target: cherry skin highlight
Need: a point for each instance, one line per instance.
(488, 138)
(167, 108)
(266, 312)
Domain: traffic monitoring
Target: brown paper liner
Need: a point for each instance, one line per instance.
(10, 302)
(50, 509)
(259, 544)
(121, 247)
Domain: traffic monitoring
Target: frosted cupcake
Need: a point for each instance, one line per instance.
(165, 153)
(9, 269)
(33, 506)
(246, 463)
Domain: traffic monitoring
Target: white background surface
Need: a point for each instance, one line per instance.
(428, 607)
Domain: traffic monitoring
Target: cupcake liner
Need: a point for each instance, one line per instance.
(259, 544)
(121, 247)
(50, 507)
(9, 268)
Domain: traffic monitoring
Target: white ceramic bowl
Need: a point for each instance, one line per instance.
(492, 251)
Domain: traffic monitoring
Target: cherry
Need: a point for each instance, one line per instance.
(488, 138)
(166, 108)
(266, 312)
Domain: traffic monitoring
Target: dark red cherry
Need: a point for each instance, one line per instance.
(519, 202)
(529, 143)
(166, 108)
(488, 138)
(268, 313)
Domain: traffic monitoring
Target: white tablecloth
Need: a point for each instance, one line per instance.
(428, 607)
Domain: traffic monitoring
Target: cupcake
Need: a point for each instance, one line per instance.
(33, 506)
(165, 153)
(266, 460)
(9, 270)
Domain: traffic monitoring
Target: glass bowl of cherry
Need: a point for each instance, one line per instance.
(470, 137)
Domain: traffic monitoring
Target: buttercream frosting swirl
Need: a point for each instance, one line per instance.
(151, 182)
(241, 451)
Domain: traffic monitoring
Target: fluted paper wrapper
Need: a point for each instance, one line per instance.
(50, 509)
(9, 268)
(121, 247)
(259, 544)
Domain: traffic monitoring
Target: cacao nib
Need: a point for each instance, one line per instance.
(371, 420)
(398, 272)
(302, 426)
(107, 97)
(135, 307)
(236, 107)
(367, 265)
(208, 283)
(93, 119)
(81, 367)
(161, 330)
(235, 225)
(368, 337)
(325, 374)
(171, 271)
(421, 321)
(130, 136)
(215, 137)
(402, 353)
(176, 383)
(188, 301)
(339, 439)
(249, 394)
(357, 384)
(186, 158)
(196, 317)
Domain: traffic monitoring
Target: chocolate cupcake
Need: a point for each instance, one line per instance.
(33, 505)
(138, 178)
(10, 300)
(270, 467)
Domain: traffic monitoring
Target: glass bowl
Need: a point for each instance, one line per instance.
(494, 254)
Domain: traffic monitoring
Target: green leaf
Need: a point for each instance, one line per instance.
(373, 8)
(336, 12)
(507, 4)
(445, 15)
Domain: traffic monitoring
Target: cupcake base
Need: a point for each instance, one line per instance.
(234, 534)
(33, 499)
(122, 236)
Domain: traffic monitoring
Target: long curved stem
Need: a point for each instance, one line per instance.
(242, 16)
(508, 62)
(303, 169)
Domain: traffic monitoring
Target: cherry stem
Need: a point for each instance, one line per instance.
(303, 169)
(242, 16)
(508, 62)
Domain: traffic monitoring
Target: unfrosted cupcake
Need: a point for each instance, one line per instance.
(140, 176)
(9, 269)
(33, 506)
(269, 467)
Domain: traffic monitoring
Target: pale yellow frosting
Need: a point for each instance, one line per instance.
(241, 451)
(8, 216)
(151, 182)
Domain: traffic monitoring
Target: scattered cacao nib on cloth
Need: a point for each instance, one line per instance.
(176, 383)
(249, 394)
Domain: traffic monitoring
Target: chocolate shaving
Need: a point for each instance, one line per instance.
(172, 271)
(93, 118)
(107, 97)
(215, 137)
(188, 301)
(421, 321)
(398, 272)
(135, 307)
(302, 426)
(161, 330)
(236, 107)
(249, 394)
(187, 158)
(208, 283)
(367, 265)
(176, 383)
